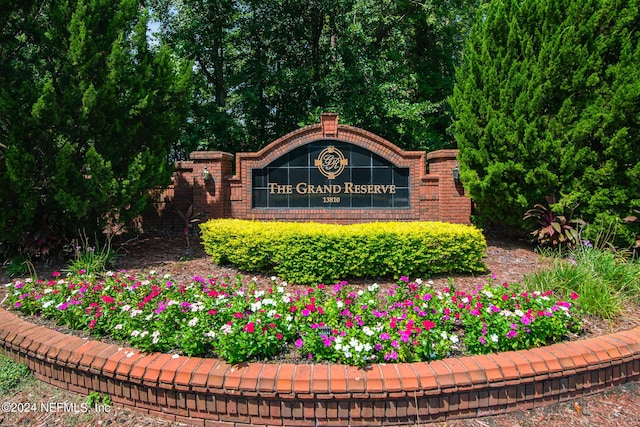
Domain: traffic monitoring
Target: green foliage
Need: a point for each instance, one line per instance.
(555, 230)
(545, 105)
(314, 253)
(265, 67)
(89, 258)
(94, 398)
(604, 280)
(89, 111)
(12, 374)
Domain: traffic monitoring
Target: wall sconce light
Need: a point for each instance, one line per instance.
(455, 172)
(206, 175)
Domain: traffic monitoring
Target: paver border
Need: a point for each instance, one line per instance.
(210, 392)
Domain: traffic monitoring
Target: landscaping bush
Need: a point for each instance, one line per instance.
(316, 253)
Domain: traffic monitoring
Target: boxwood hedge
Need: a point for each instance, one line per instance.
(306, 253)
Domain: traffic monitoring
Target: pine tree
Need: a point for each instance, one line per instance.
(93, 112)
(546, 108)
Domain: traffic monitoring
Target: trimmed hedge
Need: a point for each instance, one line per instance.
(311, 252)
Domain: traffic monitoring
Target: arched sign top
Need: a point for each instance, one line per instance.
(350, 134)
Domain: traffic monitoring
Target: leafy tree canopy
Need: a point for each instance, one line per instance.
(266, 67)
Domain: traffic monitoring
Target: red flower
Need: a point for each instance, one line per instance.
(250, 327)
(107, 299)
(428, 325)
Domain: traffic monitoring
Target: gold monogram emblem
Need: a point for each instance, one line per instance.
(331, 162)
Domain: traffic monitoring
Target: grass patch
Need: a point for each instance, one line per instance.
(605, 280)
(12, 374)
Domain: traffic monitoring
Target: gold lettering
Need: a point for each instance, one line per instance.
(348, 187)
(301, 188)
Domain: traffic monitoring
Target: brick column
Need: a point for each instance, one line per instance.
(454, 206)
(210, 191)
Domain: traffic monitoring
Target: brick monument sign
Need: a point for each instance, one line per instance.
(325, 172)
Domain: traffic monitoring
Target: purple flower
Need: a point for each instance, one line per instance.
(385, 336)
(391, 356)
(395, 344)
(482, 340)
(404, 279)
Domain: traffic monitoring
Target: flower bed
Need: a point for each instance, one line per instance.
(355, 325)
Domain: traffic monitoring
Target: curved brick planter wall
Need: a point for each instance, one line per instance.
(211, 392)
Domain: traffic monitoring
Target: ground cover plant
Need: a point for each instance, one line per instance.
(355, 325)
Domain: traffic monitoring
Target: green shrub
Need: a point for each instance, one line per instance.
(314, 252)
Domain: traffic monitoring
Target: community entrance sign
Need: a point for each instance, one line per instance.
(330, 174)
(324, 172)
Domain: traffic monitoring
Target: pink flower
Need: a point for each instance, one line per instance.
(250, 327)
(107, 299)
(299, 343)
(428, 325)
(574, 295)
(56, 273)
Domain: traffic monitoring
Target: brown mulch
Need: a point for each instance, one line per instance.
(508, 261)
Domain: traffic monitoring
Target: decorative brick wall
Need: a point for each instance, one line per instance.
(210, 392)
(434, 194)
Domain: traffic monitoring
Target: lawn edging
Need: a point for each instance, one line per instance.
(205, 392)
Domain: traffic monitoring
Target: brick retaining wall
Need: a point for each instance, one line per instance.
(210, 392)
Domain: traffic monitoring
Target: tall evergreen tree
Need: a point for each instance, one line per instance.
(546, 107)
(89, 114)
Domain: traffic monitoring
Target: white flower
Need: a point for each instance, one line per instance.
(226, 329)
(487, 294)
(274, 278)
(339, 304)
(373, 288)
(148, 317)
(418, 281)
(493, 337)
(360, 292)
(152, 273)
(175, 356)
(166, 276)
(118, 327)
(444, 335)
(256, 306)
(125, 307)
(109, 273)
(193, 321)
(210, 334)
(135, 333)
(368, 331)
(519, 313)
(454, 339)
(144, 334)
(29, 280)
(130, 354)
(280, 289)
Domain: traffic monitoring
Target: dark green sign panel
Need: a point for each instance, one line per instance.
(330, 174)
